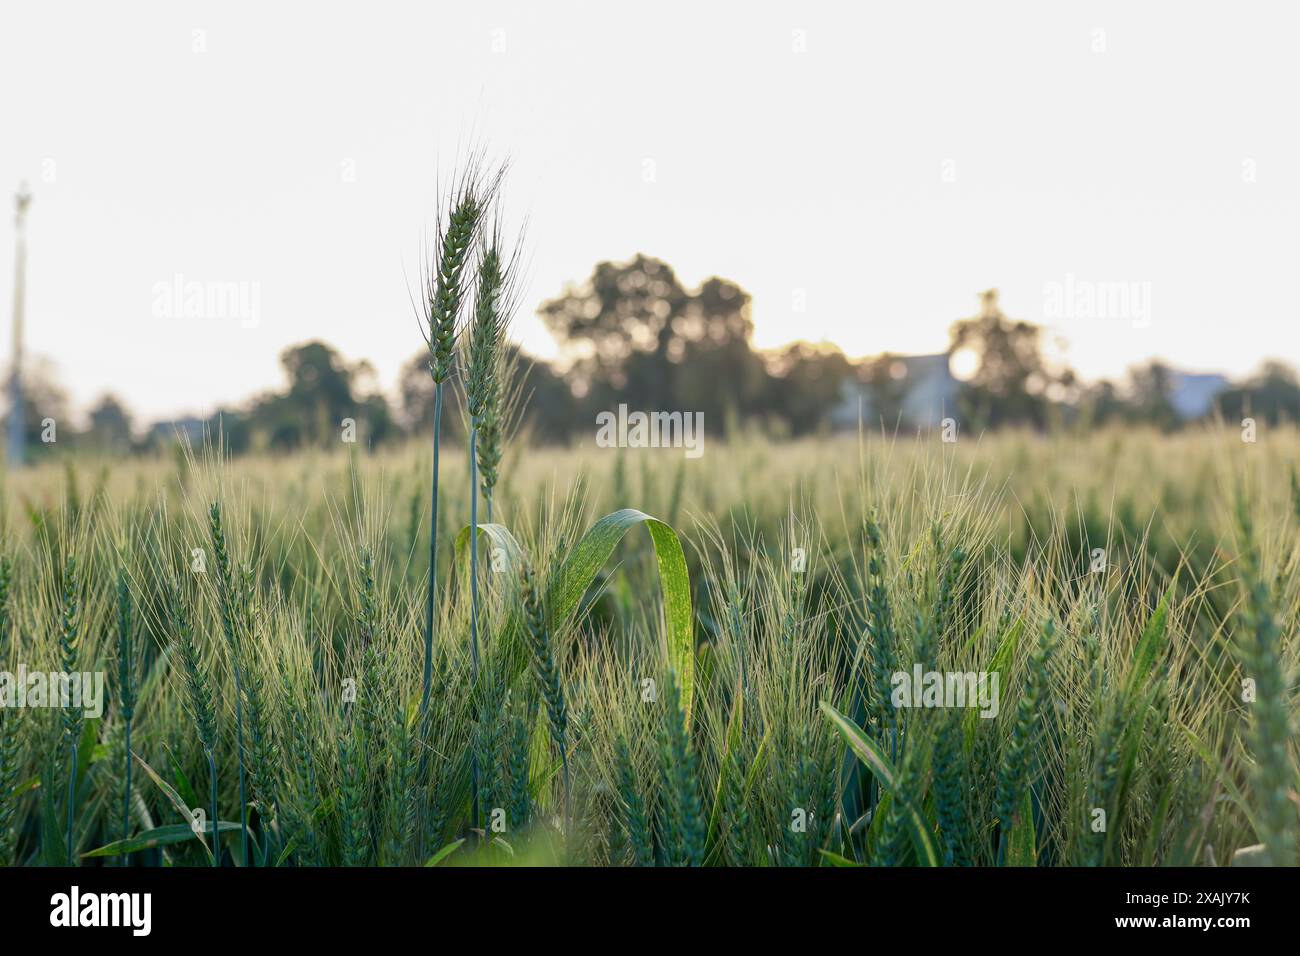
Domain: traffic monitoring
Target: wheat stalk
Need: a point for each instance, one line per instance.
(126, 684)
(72, 717)
(200, 695)
(538, 632)
(230, 625)
(1259, 648)
(444, 293)
(1016, 769)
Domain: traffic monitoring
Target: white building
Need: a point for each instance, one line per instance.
(1192, 394)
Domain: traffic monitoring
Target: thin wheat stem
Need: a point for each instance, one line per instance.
(225, 592)
(126, 800)
(126, 689)
(473, 619)
(433, 555)
(537, 630)
(71, 718)
(243, 786)
(212, 795)
(72, 796)
(568, 797)
(473, 556)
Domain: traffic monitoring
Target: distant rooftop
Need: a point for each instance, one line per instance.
(1192, 394)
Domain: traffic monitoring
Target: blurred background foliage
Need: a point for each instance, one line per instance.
(633, 333)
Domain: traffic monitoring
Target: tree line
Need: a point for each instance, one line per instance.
(634, 334)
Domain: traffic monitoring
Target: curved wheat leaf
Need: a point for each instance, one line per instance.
(591, 553)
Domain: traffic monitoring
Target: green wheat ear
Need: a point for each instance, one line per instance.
(538, 634)
(1271, 732)
(197, 686)
(72, 717)
(680, 765)
(485, 335)
(488, 398)
(200, 695)
(517, 767)
(443, 295)
(636, 827)
(301, 770)
(548, 675)
(353, 810)
(68, 624)
(483, 388)
(950, 783)
(882, 649)
(237, 623)
(445, 290)
(125, 685)
(1017, 760)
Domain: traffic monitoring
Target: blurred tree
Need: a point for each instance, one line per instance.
(549, 412)
(806, 383)
(110, 426)
(624, 308)
(44, 401)
(885, 381)
(1102, 404)
(319, 379)
(550, 409)
(1272, 394)
(234, 430)
(1010, 379)
(1151, 386)
(322, 393)
(633, 334)
(415, 401)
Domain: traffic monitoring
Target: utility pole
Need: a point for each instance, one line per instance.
(17, 422)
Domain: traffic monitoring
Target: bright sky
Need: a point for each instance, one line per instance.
(876, 166)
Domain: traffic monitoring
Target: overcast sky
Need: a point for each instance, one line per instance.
(862, 170)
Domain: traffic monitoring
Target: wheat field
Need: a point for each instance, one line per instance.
(675, 661)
